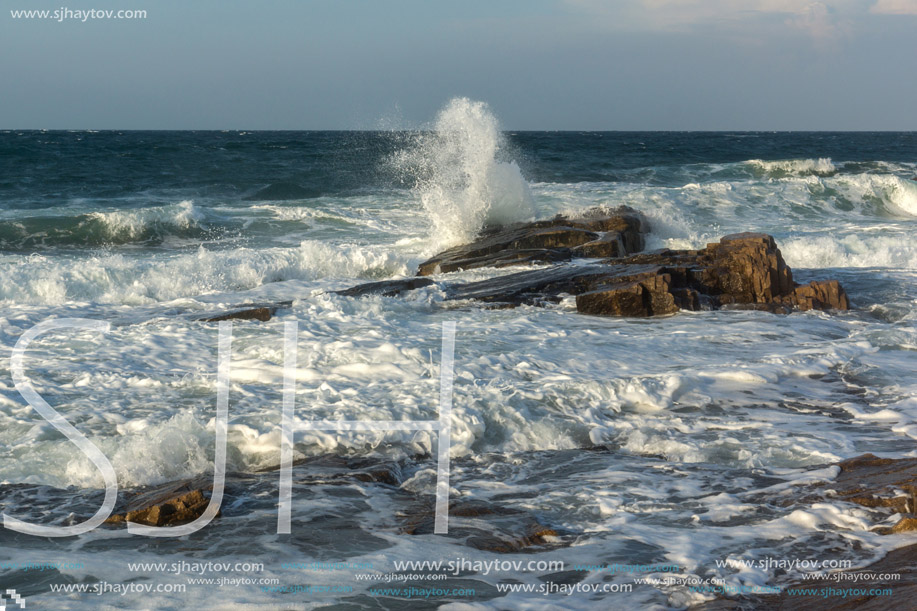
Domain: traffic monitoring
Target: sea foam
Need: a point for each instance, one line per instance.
(461, 175)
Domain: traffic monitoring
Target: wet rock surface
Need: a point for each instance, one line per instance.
(171, 504)
(249, 311)
(597, 233)
(483, 525)
(386, 288)
(741, 271)
(896, 572)
(872, 482)
(881, 482)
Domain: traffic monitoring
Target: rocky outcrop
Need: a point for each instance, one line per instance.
(895, 574)
(598, 233)
(741, 271)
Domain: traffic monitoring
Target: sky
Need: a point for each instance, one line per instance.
(391, 64)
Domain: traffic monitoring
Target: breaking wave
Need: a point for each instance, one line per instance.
(143, 226)
(793, 167)
(462, 175)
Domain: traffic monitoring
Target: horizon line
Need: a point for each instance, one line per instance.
(427, 129)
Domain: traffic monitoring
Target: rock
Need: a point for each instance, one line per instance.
(870, 481)
(386, 288)
(264, 314)
(879, 482)
(597, 233)
(249, 311)
(167, 505)
(333, 468)
(896, 572)
(649, 297)
(486, 526)
(820, 295)
(530, 287)
(741, 271)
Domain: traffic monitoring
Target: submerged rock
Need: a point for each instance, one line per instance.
(870, 481)
(741, 271)
(487, 526)
(881, 482)
(895, 574)
(249, 311)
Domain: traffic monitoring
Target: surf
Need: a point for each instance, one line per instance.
(462, 175)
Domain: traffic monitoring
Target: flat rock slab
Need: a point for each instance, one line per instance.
(547, 284)
(597, 233)
(248, 311)
(386, 288)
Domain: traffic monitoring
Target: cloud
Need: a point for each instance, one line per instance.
(822, 21)
(894, 7)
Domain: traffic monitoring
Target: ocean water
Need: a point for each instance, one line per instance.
(687, 440)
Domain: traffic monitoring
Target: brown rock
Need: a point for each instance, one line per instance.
(819, 295)
(168, 505)
(650, 297)
(745, 268)
(741, 271)
(872, 482)
(904, 525)
(609, 245)
(895, 572)
(486, 526)
(558, 239)
(879, 482)
(249, 311)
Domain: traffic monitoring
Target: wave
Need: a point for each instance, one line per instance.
(851, 250)
(846, 220)
(283, 191)
(142, 226)
(124, 279)
(893, 195)
(461, 175)
(793, 167)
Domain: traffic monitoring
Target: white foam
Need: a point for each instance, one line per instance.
(462, 179)
(852, 250)
(138, 279)
(130, 224)
(796, 167)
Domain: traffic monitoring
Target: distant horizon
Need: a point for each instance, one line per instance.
(505, 131)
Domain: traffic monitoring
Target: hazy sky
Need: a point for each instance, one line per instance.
(540, 64)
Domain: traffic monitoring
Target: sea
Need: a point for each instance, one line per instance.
(665, 455)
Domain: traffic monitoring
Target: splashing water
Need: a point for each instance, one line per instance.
(461, 180)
